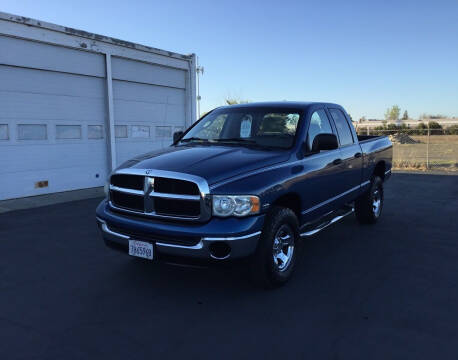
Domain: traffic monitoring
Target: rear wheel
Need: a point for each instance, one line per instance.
(276, 255)
(368, 207)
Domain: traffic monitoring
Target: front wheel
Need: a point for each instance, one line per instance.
(368, 207)
(276, 255)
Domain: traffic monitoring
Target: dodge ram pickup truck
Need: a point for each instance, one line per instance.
(246, 181)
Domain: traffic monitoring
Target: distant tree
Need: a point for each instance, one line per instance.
(434, 125)
(435, 116)
(405, 116)
(362, 119)
(235, 101)
(452, 130)
(393, 113)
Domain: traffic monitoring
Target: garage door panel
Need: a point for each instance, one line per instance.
(134, 111)
(175, 115)
(130, 70)
(50, 107)
(129, 149)
(124, 90)
(48, 116)
(37, 55)
(16, 79)
(64, 154)
(22, 184)
(160, 109)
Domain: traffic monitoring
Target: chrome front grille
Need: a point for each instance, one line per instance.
(175, 186)
(135, 182)
(160, 194)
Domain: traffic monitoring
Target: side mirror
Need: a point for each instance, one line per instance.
(324, 142)
(177, 135)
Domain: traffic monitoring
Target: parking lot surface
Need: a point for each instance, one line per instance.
(360, 292)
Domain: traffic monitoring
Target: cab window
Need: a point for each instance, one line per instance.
(319, 124)
(343, 128)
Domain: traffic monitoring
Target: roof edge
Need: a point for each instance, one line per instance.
(92, 36)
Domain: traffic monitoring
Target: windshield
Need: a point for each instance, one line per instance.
(274, 128)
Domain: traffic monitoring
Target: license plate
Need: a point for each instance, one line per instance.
(141, 249)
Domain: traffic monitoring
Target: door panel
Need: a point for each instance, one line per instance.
(321, 171)
(351, 171)
(351, 155)
(318, 185)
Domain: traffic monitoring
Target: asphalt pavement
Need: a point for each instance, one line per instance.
(388, 291)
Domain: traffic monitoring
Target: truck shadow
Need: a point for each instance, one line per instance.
(318, 253)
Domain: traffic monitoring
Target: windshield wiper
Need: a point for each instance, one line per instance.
(248, 141)
(193, 139)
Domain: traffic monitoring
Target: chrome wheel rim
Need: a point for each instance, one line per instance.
(283, 247)
(377, 202)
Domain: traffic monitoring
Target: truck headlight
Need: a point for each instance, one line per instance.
(235, 205)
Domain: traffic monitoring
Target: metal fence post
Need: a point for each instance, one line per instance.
(367, 129)
(427, 149)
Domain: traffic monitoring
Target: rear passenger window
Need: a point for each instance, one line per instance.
(319, 124)
(343, 129)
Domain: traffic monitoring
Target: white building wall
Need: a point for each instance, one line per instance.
(55, 97)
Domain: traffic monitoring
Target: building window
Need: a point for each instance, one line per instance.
(95, 131)
(140, 131)
(4, 132)
(121, 131)
(32, 132)
(163, 132)
(68, 132)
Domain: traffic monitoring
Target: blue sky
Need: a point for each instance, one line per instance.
(365, 55)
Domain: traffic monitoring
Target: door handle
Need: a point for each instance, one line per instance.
(358, 155)
(337, 161)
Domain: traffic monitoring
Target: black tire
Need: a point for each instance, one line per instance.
(265, 271)
(366, 209)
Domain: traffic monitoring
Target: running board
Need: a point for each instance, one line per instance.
(326, 224)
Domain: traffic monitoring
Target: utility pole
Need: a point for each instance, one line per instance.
(199, 70)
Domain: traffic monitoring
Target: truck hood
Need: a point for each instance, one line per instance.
(213, 163)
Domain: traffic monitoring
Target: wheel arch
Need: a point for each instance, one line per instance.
(379, 169)
(290, 200)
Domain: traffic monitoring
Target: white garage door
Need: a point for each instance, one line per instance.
(52, 119)
(149, 105)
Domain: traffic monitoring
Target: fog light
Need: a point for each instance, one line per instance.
(219, 250)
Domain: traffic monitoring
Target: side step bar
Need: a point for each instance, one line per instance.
(325, 224)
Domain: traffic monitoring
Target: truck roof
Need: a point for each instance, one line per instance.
(283, 104)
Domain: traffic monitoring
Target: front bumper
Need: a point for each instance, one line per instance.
(240, 235)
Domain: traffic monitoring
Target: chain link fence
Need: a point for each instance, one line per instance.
(420, 149)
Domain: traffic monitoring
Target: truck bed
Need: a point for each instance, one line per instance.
(362, 138)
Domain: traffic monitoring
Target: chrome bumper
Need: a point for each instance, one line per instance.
(241, 246)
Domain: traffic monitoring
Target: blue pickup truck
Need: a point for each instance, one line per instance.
(246, 181)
